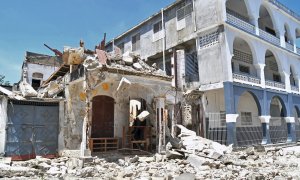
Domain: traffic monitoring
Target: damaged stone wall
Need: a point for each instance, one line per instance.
(3, 121)
(212, 57)
(108, 85)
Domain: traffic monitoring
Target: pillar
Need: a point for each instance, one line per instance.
(290, 121)
(265, 122)
(231, 115)
(280, 34)
(231, 128)
(261, 73)
(160, 124)
(254, 21)
(180, 68)
(286, 78)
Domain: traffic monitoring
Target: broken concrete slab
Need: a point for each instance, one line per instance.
(73, 56)
(27, 90)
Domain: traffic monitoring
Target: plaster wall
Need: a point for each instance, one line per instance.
(3, 121)
(47, 71)
(213, 101)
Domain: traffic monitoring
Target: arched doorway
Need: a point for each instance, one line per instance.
(102, 117)
(296, 114)
(272, 71)
(248, 125)
(265, 21)
(238, 9)
(278, 126)
(242, 62)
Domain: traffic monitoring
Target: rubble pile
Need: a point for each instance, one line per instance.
(187, 157)
(246, 164)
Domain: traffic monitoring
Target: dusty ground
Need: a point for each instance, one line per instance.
(273, 163)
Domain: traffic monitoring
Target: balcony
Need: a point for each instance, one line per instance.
(246, 78)
(289, 46)
(233, 19)
(295, 88)
(273, 84)
(269, 37)
(240, 22)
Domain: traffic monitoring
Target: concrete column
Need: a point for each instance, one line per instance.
(295, 48)
(3, 122)
(173, 71)
(231, 128)
(160, 124)
(286, 77)
(261, 73)
(265, 122)
(173, 120)
(180, 68)
(254, 21)
(280, 34)
(290, 121)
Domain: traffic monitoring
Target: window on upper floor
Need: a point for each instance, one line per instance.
(184, 11)
(136, 42)
(191, 67)
(157, 27)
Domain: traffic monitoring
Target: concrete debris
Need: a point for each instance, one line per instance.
(115, 55)
(90, 63)
(11, 94)
(73, 56)
(143, 115)
(255, 165)
(137, 66)
(27, 90)
(102, 56)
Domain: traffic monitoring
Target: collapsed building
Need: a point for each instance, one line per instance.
(224, 69)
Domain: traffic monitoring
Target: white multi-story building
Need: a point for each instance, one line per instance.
(241, 54)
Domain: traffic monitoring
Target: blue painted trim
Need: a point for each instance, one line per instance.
(291, 132)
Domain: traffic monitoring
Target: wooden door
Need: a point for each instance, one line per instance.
(103, 117)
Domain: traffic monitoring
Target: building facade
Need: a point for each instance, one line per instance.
(243, 57)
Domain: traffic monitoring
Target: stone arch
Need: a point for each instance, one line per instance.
(243, 9)
(243, 56)
(273, 67)
(248, 125)
(277, 126)
(266, 20)
(281, 110)
(254, 97)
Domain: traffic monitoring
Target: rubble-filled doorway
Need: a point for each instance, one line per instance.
(102, 117)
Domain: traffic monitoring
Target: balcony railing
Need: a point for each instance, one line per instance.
(289, 46)
(246, 78)
(295, 88)
(269, 37)
(238, 22)
(275, 84)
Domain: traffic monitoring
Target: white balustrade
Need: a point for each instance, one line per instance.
(269, 37)
(239, 23)
(246, 78)
(295, 88)
(289, 46)
(275, 84)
